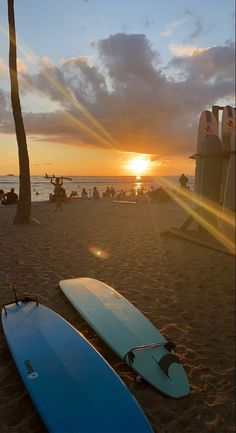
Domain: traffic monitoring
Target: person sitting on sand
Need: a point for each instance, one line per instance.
(59, 192)
(2, 195)
(113, 193)
(10, 197)
(107, 193)
(84, 194)
(121, 194)
(183, 180)
(95, 193)
(158, 195)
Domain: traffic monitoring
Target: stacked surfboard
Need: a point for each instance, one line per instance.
(228, 181)
(215, 172)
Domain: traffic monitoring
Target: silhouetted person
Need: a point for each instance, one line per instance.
(113, 193)
(183, 181)
(10, 197)
(2, 195)
(59, 192)
(95, 193)
(84, 194)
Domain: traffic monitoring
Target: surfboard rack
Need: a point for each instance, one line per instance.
(131, 355)
(25, 297)
(203, 155)
(193, 237)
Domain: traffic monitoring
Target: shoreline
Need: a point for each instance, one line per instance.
(185, 290)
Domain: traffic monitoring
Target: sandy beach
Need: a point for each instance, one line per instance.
(185, 290)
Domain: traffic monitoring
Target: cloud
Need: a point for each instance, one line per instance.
(171, 27)
(21, 66)
(200, 26)
(148, 22)
(210, 65)
(127, 102)
(2, 66)
(185, 50)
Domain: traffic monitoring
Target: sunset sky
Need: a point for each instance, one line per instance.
(105, 81)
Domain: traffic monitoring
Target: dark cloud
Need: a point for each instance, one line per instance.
(213, 64)
(200, 26)
(148, 22)
(200, 29)
(138, 108)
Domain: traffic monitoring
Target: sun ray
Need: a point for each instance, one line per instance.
(101, 134)
(171, 189)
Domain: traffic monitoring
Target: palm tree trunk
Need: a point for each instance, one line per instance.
(23, 212)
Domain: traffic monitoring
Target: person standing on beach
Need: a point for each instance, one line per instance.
(58, 192)
(183, 180)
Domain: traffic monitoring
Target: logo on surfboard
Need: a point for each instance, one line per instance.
(30, 371)
(230, 123)
(208, 128)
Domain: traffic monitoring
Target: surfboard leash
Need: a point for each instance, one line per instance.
(131, 355)
(164, 363)
(25, 297)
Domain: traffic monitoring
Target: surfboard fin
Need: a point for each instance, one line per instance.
(166, 361)
(131, 355)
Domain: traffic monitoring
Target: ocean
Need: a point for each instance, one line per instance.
(41, 187)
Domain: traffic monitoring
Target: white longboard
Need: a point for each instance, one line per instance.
(207, 126)
(129, 333)
(124, 201)
(228, 129)
(212, 167)
(229, 207)
(228, 141)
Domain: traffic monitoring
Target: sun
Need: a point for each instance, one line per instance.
(139, 165)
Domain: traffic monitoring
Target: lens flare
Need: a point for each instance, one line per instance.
(98, 252)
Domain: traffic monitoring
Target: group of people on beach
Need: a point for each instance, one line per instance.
(60, 196)
(8, 198)
(159, 194)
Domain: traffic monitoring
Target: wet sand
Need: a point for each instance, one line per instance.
(186, 291)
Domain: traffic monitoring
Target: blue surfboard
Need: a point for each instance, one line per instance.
(129, 333)
(73, 388)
